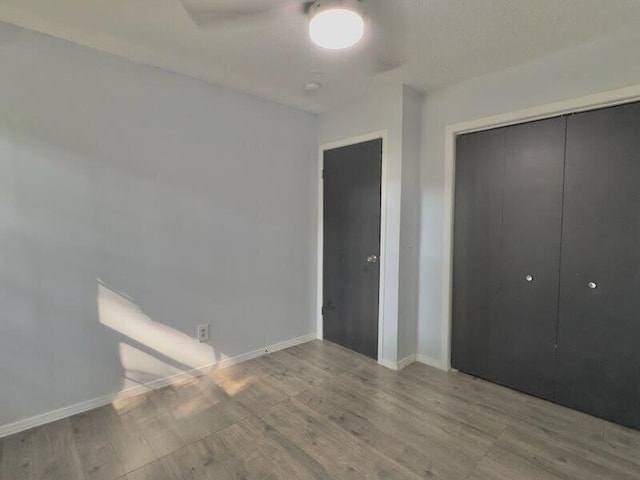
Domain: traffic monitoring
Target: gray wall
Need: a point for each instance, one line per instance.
(606, 64)
(136, 204)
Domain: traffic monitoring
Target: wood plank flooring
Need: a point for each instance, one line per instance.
(318, 411)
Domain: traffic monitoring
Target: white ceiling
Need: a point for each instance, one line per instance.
(442, 41)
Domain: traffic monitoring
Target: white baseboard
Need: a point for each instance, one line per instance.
(406, 361)
(400, 364)
(291, 343)
(59, 414)
(432, 362)
(388, 364)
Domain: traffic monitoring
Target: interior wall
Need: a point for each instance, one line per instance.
(136, 204)
(396, 110)
(409, 224)
(605, 64)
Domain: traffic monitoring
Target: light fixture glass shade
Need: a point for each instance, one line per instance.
(336, 28)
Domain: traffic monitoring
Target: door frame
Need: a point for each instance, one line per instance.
(608, 98)
(381, 134)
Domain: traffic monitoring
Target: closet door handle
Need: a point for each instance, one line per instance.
(529, 278)
(592, 285)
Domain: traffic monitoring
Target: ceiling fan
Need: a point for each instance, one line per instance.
(8, 34)
(333, 24)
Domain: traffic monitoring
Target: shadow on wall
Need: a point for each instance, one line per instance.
(149, 350)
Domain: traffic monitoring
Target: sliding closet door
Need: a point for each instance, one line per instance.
(506, 254)
(598, 368)
(524, 337)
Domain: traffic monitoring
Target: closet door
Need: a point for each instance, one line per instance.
(598, 369)
(477, 239)
(506, 254)
(524, 336)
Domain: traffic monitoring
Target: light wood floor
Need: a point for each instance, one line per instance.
(318, 411)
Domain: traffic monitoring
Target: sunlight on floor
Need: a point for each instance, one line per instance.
(233, 387)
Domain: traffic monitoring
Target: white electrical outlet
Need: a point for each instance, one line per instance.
(203, 333)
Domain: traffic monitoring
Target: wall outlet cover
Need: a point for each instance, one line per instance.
(203, 333)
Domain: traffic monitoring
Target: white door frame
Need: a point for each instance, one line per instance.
(588, 102)
(381, 134)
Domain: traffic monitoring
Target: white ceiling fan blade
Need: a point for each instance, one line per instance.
(387, 38)
(206, 13)
(387, 58)
(8, 33)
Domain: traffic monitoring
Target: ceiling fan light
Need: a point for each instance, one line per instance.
(336, 27)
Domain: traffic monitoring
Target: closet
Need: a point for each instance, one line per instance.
(546, 270)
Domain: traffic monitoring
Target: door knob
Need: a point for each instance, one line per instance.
(372, 259)
(592, 285)
(529, 278)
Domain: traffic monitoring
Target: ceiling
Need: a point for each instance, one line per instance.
(439, 41)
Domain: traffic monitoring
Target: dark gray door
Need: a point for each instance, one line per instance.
(524, 337)
(351, 271)
(477, 256)
(598, 367)
(506, 254)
